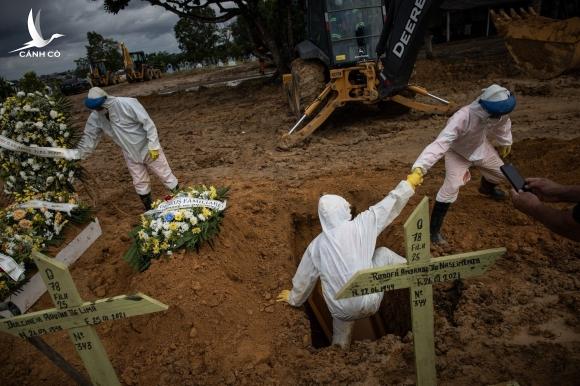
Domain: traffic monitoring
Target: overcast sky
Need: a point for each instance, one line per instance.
(141, 26)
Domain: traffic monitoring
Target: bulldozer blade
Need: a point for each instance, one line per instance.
(542, 47)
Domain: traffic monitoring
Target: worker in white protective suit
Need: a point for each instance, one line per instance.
(344, 247)
(128, 124)
(468, 140)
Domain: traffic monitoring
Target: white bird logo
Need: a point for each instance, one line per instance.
(36, 34)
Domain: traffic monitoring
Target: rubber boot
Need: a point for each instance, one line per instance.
(491, 190)
(146, 200)
(437, 216)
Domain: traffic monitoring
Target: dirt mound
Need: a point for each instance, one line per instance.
(519, 321)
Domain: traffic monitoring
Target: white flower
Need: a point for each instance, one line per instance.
(19, 125)
(167, 234)
(62, 126)
(26, 108)
(193, 220)
(53, 114)
(201, 217)
(23, 175)
(2, 110)
(165, 225)
(39, 124)
(20, 94)
(49, 180)
(184, 227)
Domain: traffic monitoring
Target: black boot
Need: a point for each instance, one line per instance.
(491, 190)
(146, 200)
(437, 216)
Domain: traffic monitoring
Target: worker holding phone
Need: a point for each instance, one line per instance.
(540, 190)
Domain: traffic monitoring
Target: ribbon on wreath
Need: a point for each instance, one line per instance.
(46, 152)
(187, 202)
(11, 267)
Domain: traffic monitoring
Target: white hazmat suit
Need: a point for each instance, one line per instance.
(344, 247)
(466, 141)
(129, 126)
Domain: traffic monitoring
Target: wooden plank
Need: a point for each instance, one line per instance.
(35, 288)
(417, 236)
(423, 334)
(418, 250)
(439, 270)
(64, 294)
(86, 314)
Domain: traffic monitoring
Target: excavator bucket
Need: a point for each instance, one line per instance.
(542, 47)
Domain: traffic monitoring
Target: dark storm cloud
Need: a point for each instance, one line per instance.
(141, 26)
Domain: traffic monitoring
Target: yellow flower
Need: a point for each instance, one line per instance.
(144, 221)
(212, 192)
(3, 285)
(164, 245)
(195, 230)
(179, 216)
(19, 214)
(25, 224)
(206, 212)
(174, 226)
(156, 249)
(58, 217)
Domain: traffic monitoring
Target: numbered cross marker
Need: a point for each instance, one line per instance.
(419, 275)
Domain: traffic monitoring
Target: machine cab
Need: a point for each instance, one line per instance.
(347, 31)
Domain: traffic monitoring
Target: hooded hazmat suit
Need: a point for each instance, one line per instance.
(344, 247)
(467, 141)
(129, 126)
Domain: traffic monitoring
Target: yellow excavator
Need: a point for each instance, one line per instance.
(540, 46)
(339, 62)
(136, 68)
(101, 76)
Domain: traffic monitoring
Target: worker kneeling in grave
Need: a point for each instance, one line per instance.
(129, 126)
(345, 247)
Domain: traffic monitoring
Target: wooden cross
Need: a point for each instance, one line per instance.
(78, 317)
(419, 274)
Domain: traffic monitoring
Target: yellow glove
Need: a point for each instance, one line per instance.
(415, 178)
(154, 154)
(504, 151)
(283, 296)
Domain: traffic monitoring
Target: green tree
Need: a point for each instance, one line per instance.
(275, 25)
(100, 48)
(6, 89)
(197, 40)
(30, 83)
(241, 39)
(162, 59)
(82, 67)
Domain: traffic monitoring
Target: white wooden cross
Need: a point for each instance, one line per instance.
(419, 275)
(78, 317)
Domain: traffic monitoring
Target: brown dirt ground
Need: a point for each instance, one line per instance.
(518, 321)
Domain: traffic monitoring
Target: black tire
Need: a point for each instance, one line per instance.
(308, 81)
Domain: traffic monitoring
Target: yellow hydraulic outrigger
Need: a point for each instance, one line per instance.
(341, 90)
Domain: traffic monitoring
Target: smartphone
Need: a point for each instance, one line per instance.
(512, 175)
